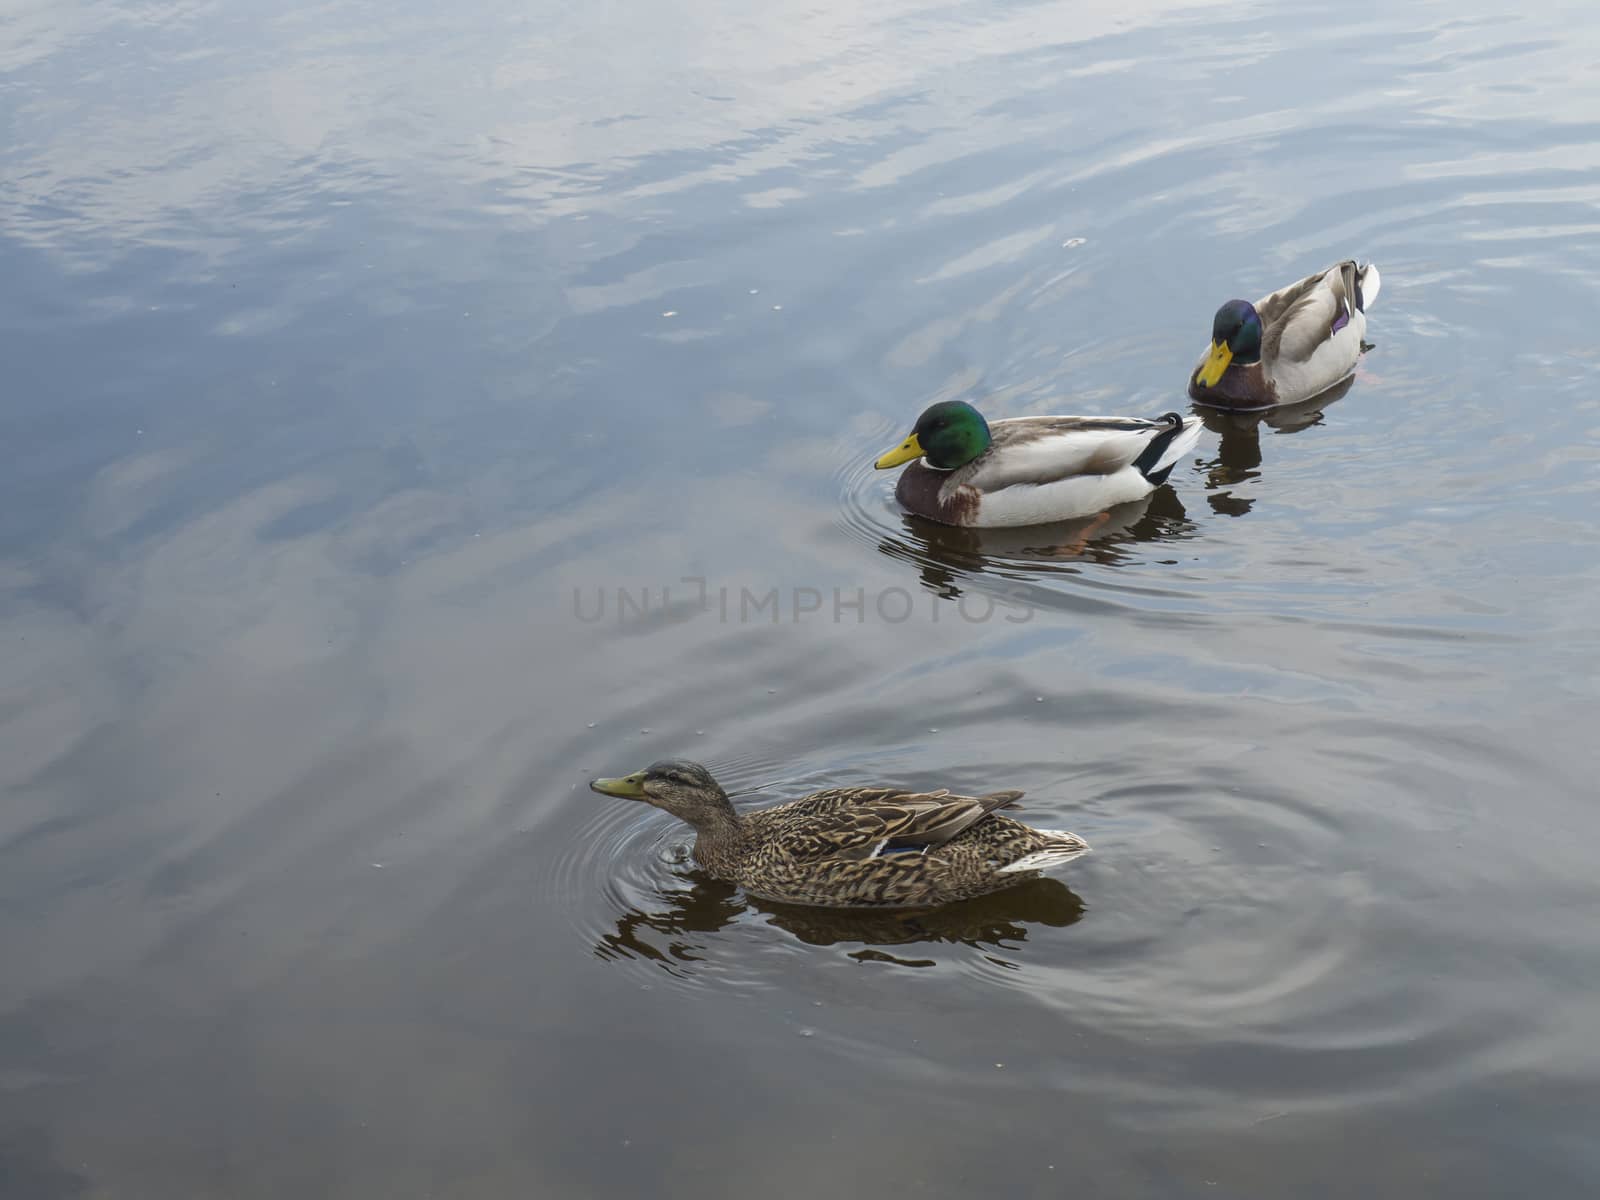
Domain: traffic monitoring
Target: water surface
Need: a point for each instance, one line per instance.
(410, 414)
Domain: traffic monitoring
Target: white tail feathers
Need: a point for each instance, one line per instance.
(1064, 848)
(1371, 282)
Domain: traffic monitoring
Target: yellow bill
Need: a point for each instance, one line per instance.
(1216, 363)
(903, 453)
(629, 787)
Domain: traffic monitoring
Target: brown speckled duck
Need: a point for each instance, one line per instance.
(877, 847)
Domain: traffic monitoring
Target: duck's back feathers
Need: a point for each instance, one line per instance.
(1275, 307)
(1040, 450)
(888, 847)
(868, 823)
(1307, 315)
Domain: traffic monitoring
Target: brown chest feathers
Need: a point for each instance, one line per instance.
(919, 490)
(1241, 387)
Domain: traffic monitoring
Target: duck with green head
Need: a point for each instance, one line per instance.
(854, 847)
(965, 470)
(1290, 346)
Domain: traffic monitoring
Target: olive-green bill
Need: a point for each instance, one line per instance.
(629, 787)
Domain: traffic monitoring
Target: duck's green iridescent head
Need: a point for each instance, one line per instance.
(1235, 338)
(948, 435)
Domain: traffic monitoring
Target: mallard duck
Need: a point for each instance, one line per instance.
(1289, 346)
(868, 847)
(1032, 470)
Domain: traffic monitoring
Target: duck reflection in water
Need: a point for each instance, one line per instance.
(945, 554)
(1238, 459)
(665, 935)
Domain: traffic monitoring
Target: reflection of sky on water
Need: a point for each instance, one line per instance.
(337, 366)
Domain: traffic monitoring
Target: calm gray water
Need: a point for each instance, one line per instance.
(411, 411)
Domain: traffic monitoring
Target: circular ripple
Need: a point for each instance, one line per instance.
(640, 896)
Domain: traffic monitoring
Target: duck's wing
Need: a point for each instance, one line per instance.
(1299, 319)
(881, 822)
(1042, 450)
(1271, 307)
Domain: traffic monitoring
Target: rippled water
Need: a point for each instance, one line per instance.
(412, 413)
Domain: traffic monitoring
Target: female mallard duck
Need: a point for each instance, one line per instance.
(1289, 346)
(1032, 470)
(876, 847)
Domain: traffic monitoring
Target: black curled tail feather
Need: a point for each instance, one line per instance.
(1152, 453)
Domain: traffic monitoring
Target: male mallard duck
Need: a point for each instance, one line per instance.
(1289, 346)
(1032, 470)
(877, 847)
